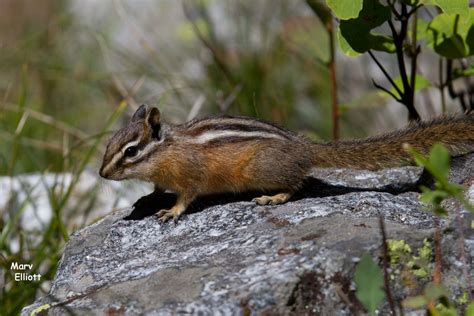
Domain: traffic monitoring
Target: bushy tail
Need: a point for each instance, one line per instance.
(456, 133)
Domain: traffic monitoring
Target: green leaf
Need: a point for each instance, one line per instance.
(345, 46)
(470, 309)
(446, 311)
(460, 7)
(356, 32)
(369, 282)
(439, 161)
(415, 302)
(452, 36)
(345, 9)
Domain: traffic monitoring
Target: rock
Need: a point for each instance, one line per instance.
(228, 256)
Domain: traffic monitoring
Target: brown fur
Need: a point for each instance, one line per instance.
(457, 134)
(243, 161)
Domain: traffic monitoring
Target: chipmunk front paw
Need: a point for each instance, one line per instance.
(165, 215)
(276, 199)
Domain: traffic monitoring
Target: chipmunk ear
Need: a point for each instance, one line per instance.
(153, 118)
(140, 113)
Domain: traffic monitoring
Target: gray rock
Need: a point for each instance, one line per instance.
(228, 256)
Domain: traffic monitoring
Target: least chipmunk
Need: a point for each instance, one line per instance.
(236, 154)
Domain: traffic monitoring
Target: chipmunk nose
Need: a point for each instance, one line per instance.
(102, 173)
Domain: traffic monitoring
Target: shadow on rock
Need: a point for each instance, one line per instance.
(312, 188)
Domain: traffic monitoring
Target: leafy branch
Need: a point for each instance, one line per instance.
(447, 34)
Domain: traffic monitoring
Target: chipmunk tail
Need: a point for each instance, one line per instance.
(387, 150)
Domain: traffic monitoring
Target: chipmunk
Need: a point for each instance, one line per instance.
(236, 154)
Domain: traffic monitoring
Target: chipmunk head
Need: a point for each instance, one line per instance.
(133, 144)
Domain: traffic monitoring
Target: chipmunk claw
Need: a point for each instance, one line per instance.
(165, 215)
(273, 199)
(263, 200)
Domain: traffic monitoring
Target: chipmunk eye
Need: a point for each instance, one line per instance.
(131, 151)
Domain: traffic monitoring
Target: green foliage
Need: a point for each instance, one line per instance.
(369, 282)
(433, 293)
(345, 9)
(435, 296)
(449, 33)
(437, 163)
(54, 88)
(402, 258)
(452, 36)
(50, 122)
(470, 309)
(43, 249)
(452, 6)
(357, 33)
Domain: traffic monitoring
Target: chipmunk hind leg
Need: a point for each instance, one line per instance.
(283, 169)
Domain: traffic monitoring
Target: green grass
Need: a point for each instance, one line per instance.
(42, 248)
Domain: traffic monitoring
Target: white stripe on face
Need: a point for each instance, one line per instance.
(145, 151)
(214, 135)
(120, 154)
(129, 144)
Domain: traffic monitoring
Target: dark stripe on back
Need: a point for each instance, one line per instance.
(196, 128)
(232, 140)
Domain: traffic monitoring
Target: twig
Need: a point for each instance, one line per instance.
(441, 85)
(398, 40)
(385, 73)
(391, 4)
(407, 97)
(385, 90)
(414, 10)
(415, 49)
(385, 266)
